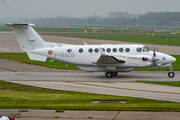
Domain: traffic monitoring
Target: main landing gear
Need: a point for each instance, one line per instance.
(171, 74)
(109, 74)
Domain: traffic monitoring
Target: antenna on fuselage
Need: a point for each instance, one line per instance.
(85, 43)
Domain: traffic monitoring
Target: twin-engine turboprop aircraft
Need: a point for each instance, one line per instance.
(107, 58)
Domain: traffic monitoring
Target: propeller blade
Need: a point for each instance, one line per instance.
(153, 59)
(153, 66)
(154, 52)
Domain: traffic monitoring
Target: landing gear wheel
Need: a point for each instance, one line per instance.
(171, 74)
(109, 74)
(114, 73)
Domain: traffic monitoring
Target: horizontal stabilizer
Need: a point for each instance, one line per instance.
(15, 25)
(37, 57)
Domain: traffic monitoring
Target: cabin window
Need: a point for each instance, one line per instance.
(127, 49)
(96, 50)
(121, 49)
(103, 49)
(69, 50)
(108, 50)
(139, 49)
(80, 50)
(90, 50)
(114, 50)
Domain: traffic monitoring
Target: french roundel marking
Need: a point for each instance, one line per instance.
(50, 52)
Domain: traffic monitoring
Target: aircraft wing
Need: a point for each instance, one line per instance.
(108, 59)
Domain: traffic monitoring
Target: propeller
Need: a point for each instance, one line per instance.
(154, 59)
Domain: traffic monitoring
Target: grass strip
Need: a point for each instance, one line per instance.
(17, 96)
(173, 83)
(166, 40)
(23, 58)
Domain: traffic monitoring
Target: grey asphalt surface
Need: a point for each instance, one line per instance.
(86, 115)
(122, 85)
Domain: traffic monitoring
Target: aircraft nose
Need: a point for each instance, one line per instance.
(172, 59)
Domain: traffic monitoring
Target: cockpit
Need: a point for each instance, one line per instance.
(144, 49)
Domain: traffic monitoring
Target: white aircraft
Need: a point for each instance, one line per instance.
(107, 58)
(2, 117)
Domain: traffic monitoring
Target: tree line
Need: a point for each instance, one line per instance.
(150, 18)
(160, 18)
(89, 21)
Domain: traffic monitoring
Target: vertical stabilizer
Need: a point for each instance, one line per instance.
(27, 37)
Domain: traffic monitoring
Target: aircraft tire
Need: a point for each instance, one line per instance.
(114, 73)
(171, 74)
(109, 74)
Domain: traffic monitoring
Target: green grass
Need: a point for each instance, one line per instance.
(23, 58)
(176, 83)
(172, 40)
(5, 28)
(16, 96)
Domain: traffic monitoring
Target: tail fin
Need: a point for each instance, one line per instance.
(27, 37)
(28, 40)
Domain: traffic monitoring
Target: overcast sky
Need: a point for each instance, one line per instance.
(80, 8)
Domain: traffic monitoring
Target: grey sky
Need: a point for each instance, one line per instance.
(80, 8)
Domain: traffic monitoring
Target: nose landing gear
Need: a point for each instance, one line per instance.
(171, 74)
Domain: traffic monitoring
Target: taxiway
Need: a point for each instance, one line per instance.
(76, 80)
(122, 85)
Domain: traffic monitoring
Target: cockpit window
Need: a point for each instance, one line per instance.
(139, 49)
(145, 49)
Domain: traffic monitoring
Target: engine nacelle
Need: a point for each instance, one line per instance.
(165, 65)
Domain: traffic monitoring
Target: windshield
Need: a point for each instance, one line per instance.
(146, 48)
